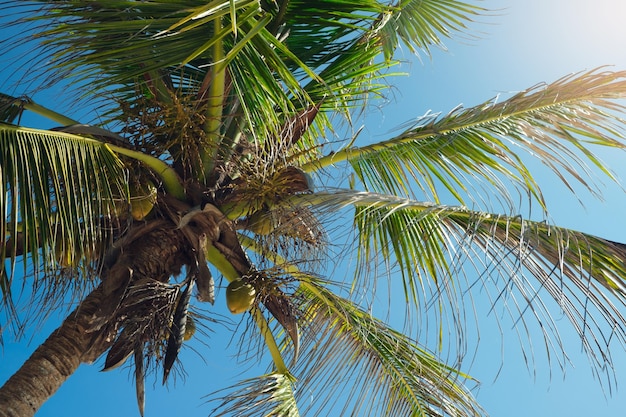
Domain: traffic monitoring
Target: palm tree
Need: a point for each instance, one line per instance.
(216, 151)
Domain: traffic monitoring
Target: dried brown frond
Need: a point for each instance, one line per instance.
(177, 330)
(145, 314)
(286, 144)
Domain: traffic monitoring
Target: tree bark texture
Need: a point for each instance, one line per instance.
(51, 364)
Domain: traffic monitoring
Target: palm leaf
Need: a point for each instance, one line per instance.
(422, 24)
(374, 369)
(487, 143)
(390, 374)
(526, 261)
(57, 189)
(319, 31)
(207, 13)
(140, 379)
(126, 42)
(523, 261)
(344, 38)
(267, 395)
(177, 331)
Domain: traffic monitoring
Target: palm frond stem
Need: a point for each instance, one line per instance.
(270, 341)
(171, 181)
(220, 261)
(47, 113)
(215, 102)
(278, 19)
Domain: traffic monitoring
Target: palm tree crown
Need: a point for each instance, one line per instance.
(216, 153)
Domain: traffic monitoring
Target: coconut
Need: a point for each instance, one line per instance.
(240, 296)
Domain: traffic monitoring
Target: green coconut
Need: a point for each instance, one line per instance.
(142, 200)
(240, 296)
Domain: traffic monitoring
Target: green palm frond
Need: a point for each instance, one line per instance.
(125, 41)
(525, 262)
(344, 38)
(257, 71)
(376, 370)
(349, 354)
(266, 395)
(123, 44)
(422, 24)
(487, 142)
(57, 191)
(319, 31)
(119, 39)
(529, 263)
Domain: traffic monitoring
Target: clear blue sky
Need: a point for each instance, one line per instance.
(521, 44)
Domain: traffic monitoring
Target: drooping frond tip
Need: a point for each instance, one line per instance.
(531, 269)
(375, 369)
(58, 191)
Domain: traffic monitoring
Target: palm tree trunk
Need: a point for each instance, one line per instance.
(52, 363)
(155, 250)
